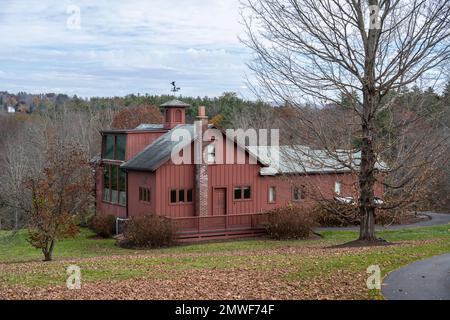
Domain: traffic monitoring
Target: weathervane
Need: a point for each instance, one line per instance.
(175, 88)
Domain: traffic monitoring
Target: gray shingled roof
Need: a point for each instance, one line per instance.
(157, 153)
(175, 103)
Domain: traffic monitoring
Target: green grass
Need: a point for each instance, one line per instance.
(257, 255)
(15, 248)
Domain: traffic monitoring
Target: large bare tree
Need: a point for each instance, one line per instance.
(315, 53)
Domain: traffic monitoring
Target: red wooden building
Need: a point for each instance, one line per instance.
(216, 197)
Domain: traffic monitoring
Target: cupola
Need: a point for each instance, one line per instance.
(174, 113)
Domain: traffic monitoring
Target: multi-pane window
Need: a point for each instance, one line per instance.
(114, 147)
(242, 193)
(180, 196)
(114, 185)
(298, 193)
(144, 194)
(272, 194)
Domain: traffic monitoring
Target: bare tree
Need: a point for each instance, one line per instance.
(315, 52)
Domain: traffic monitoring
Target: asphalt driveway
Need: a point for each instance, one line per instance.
(427, 279)
(435, 219)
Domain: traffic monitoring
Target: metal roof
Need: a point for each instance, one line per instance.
(147, 126)
(157, 153)
(298, 159)
(175, 103)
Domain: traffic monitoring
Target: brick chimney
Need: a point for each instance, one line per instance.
(174, 113)
(201, 167)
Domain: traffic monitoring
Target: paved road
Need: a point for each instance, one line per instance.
(436, 218)
(422, 280)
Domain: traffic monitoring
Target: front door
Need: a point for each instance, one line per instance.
(220, 202)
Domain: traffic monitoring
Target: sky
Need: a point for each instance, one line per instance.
(114, 48)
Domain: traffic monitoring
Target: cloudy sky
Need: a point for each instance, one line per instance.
(116, 47)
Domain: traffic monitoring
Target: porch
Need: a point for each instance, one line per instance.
(220, 226)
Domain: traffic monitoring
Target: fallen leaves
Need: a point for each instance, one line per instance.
(255, 274)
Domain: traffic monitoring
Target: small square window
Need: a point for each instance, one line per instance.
(189, 195)
(242, 193)
(144, 194)
(173, 196)
(298, 193)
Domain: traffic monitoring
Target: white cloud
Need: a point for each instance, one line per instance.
(123, 46)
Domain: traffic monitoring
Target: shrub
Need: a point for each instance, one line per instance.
(290, 222)
(330, 213)
(104, 225)
(149, 231)
(387, 217)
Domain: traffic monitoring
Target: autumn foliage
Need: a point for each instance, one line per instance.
(130, 118)
(104, 225)
(57, 195)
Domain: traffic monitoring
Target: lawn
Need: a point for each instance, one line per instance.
(252, 269)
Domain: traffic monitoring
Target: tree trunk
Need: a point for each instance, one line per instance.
(368, 159)
(48, 252)
(367, 174)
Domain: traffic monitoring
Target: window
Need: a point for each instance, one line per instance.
(114, 147)
(144, 194)
(167, 116)
(247, 193)
(211, 153)
(242, 193)
(178, 116)
(106, 186)
(120, 147)
(181, 196)
(109, 147)
(272, 194)
(114, 185)
(122, 187)
(298, 193)
(337, 188)
(173, 196)
(237, 193)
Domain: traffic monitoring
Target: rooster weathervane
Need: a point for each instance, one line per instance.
(174, 87)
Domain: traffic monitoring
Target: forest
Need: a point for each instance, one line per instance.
(47, 129)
